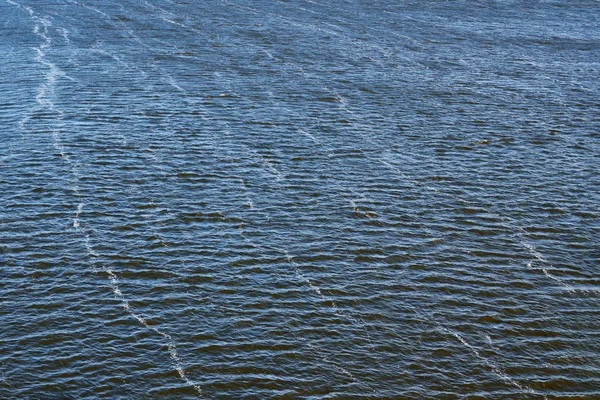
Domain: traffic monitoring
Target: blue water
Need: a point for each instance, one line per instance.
(299, 199)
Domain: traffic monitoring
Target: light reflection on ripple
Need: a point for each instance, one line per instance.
(299, 200)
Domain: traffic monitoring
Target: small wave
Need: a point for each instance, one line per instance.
(43, 97)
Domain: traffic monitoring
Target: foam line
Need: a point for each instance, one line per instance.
(492, 366)
(168, 78)
(511, 225)
(44, 99)
(303, 278)
(94, 9)
(315, 350)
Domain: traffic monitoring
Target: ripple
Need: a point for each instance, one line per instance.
(298, 200)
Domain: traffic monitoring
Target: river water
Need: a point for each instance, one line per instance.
(336, 199)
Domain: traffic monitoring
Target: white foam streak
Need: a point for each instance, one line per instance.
(491, 365)
(173, 354)
(44, 97)
(283, 18)
(94, 9)
(77, 214)
(327, 360)
(324, 298)
(302, 277)
(248, 199)
(97, 47)
(314, 288)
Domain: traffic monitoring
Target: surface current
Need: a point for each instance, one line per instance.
(335, 199)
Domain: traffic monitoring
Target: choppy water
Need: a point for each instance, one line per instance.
(300, 199)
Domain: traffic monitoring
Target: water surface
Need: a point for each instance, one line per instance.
(299, 199)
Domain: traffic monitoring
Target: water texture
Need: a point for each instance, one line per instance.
(294, 199)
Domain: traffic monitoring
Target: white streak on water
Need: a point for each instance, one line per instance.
(44, 97)
(168, 78)
(303, 278)
(317, 290)
(494, 367)
(94, 9)
(511, 225)
(319, 353)
(274, 172)
(290, 21)
(173, 354)
(98, 47)
(248, 199)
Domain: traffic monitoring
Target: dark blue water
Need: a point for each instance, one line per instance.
(299, 199)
